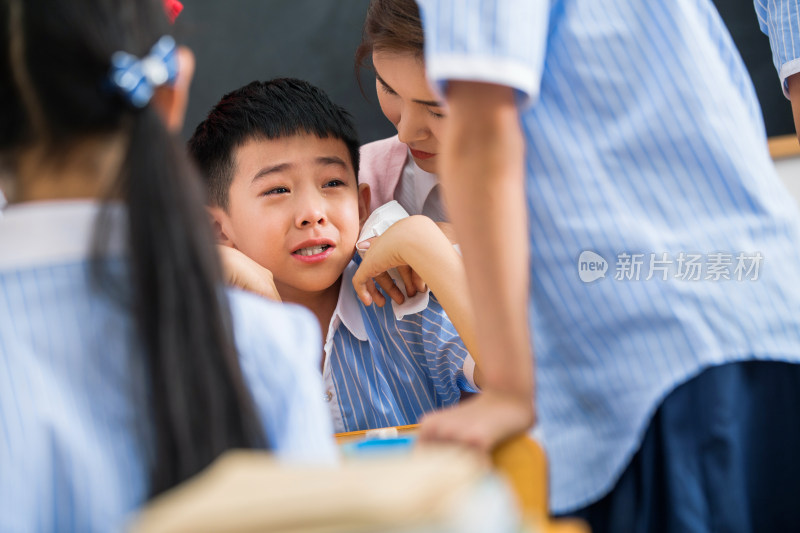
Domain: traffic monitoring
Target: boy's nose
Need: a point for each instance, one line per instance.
(312, 220)
(310, 215)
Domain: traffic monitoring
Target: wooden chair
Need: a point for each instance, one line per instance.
(523, 462)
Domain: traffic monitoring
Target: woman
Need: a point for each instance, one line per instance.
(403, 167)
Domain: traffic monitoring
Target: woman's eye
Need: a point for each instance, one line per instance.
(434, 114)
(275, 190)
(387, 89)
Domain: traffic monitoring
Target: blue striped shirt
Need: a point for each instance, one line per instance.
(780, 20)
(645, 149)
(383, 370)
(75, 435)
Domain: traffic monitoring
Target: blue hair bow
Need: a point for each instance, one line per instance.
(137, 79)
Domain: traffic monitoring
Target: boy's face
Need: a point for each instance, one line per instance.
(295, 208)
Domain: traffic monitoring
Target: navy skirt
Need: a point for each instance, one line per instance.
(722, 453)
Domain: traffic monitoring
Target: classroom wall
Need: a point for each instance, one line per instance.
(238, 41)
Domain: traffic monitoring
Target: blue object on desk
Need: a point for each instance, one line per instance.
(379, 446)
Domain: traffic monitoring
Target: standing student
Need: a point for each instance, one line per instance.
(125, 368)
(632, 223)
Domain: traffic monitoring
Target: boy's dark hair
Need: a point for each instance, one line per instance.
(274, 109)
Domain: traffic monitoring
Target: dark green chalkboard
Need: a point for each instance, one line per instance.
(740, 17)
(238, 41)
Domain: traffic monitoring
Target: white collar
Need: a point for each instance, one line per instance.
(348, 308)
(424, 182)
(39, 233)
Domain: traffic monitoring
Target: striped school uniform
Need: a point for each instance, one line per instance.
(662, 241)
(76, 436)
(383, 370)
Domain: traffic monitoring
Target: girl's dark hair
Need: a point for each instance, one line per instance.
(54, 64)
(390, 25)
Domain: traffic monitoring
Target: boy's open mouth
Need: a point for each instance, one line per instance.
(312, 250)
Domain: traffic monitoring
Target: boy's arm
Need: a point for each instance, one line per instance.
(418, 242)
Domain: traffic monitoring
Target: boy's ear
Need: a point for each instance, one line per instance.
(364, 196)
(219, 221)
(171, 100)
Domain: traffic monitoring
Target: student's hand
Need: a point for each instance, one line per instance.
(241, 271)
(482, 422)
(398, 248)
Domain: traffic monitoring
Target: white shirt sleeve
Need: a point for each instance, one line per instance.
(492, 41)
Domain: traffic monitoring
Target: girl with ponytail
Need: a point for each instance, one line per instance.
(125, 368)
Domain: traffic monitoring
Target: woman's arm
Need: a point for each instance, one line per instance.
(418, 242)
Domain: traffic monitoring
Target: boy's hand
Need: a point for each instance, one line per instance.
(482, 422)
(395, 249)
(241, 271)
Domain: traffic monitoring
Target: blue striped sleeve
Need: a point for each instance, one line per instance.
(780, 21)
(486, 41)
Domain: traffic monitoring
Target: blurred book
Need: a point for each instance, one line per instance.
(435, 489)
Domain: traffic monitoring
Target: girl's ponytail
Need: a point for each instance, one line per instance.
(200, 404)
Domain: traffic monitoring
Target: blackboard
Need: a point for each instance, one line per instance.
(237, 41)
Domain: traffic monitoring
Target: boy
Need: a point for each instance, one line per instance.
(281, 162)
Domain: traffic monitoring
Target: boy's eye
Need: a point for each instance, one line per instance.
(275, 190)
(334, 183)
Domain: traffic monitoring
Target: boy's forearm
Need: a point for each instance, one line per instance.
(482, 171)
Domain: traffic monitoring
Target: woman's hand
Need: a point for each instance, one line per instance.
(241, 271)
(412, 281)
(397, 248)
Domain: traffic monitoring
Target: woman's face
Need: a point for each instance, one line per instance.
(408, 102)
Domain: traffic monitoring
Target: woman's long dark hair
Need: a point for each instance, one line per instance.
(55, 60)
(390, 25)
